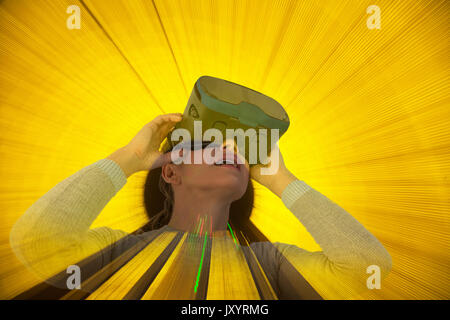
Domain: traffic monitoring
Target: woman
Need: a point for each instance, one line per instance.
(54, 231)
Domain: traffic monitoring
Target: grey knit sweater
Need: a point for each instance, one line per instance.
(55, 232)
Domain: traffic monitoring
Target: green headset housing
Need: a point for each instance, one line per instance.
(222, 105)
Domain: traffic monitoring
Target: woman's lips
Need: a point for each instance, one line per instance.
(235, 167)
(230, 160)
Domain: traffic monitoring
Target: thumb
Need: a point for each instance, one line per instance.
(161, 160)
(168, 157)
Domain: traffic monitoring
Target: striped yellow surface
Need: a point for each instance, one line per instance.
(369, 110)
(229, 275)
(126, 277)
(171, 282)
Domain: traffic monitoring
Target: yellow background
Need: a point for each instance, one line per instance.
(369, 110)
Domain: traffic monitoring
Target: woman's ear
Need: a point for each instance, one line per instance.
(170, 173)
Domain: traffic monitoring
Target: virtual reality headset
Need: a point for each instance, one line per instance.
(250, 117)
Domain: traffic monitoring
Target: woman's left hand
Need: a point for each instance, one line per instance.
(279, 179)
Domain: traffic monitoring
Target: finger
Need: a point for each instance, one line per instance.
(164, 118)
(165, 129)
(171, 117)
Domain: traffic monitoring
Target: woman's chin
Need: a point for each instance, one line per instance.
(235, 188)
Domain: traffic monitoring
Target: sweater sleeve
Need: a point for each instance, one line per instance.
(339, 271)
(55, 231)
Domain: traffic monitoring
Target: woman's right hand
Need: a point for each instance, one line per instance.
(142, 152)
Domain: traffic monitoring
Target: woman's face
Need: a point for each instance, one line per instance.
(221, 169)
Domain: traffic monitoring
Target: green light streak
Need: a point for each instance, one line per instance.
(201, 263)
(232, 234)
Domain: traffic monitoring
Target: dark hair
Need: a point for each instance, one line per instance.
(158, 203)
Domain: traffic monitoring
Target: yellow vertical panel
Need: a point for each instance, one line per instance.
(166, 280)
(229, 276)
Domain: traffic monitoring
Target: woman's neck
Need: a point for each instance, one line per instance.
(200, 213)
